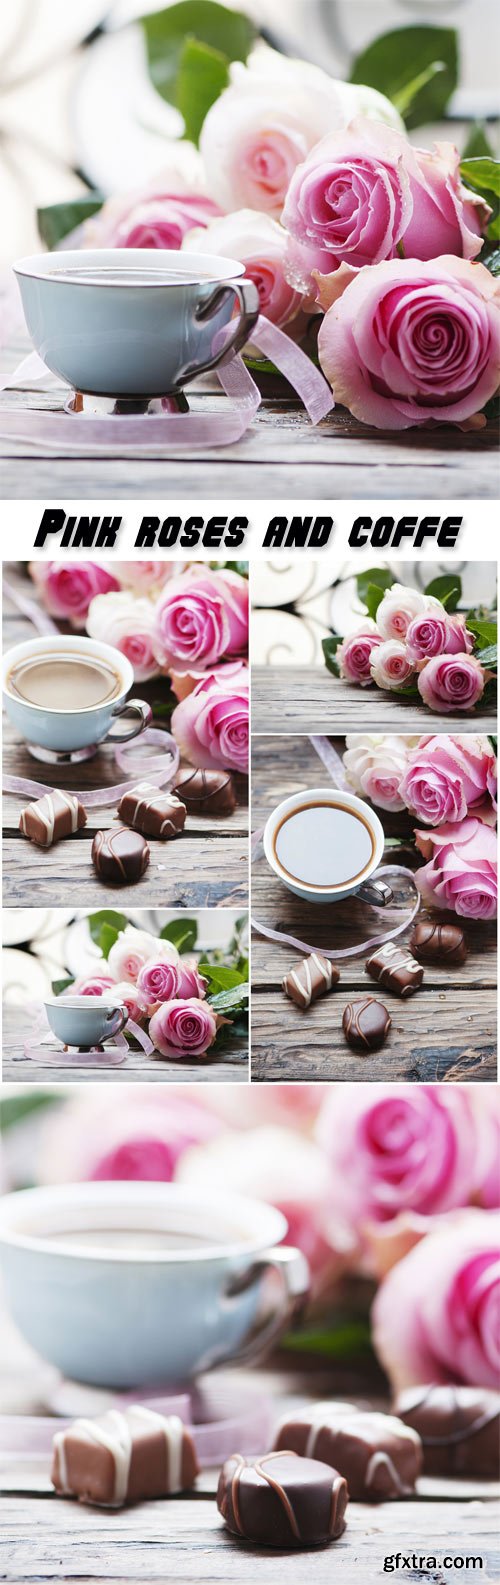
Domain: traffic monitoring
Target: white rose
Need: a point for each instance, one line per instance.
(389, 665)
(125, 621)
(399, 606)
(267, 120)
(127, 993)
(375, 767)
(258, 242)
(131, 951)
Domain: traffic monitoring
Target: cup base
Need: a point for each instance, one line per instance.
(82, 404)
(54, 756)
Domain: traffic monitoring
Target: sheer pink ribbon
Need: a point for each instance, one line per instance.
(27, 1436)
(178, 430)
(160, 769)
(333, 764)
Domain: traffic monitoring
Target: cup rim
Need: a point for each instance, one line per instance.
(335, 795)
(35, 266)
(84, 1003)
(40, 645)
(130, 1197)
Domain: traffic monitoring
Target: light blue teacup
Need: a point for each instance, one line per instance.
(85, 1021)
(51, 732)
(129, 1285)
(134, 322)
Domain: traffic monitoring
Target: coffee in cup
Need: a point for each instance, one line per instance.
(324, 845)
(60, 680)
(66, 694)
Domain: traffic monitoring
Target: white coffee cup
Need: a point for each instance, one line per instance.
(121, 337)
(85, 1021)
(94, 1300)
(65, 731)
(372, 891)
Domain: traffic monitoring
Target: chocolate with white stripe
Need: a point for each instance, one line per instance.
(281, 1500)
(123, 1457)
(120, 856)
(395, 970)
(155, 813)
(311, 978)
(379, 1457)
(57, 814)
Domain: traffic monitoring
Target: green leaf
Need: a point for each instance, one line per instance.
(329, 647)
(347, 1338)
(228, 34)
(374, 595)
(485, 631)
(57, 220)
(417, 67)
(410, 691)
(447, 589)
(373, 575)
(221, 978)
(482, 175)
(58, 986)
(478, 143)
(107, 939)
(16, 1107)
(118, 923)
(203, 74)
(182, 932)
(233, 1001)
(488, 656)
(490, 257)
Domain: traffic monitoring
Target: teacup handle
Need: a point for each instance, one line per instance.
(117, 1012)
(246, 295)
(292, 1268)
(143, 716)
(375, 892)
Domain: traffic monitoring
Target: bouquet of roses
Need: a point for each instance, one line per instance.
(314, 186)
(415, 643)
(449, 786)
(187, 623)
(185, 1003)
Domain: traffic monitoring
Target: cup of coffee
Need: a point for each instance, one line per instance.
(85, 1020)
(146, 1283)
(325, 845)
(65, 695)
(134, 323)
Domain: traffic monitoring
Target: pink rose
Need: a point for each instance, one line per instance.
(200, 618)
(406, 343)
(128, 994)
(261, 126)
(183, 1029)
(398, 1148)
(67, 587)
(90, 985)
(211, 726)
(191, 983)
(399, 607)
(462, 869)
(158, 981)
(450, 777)
(364, 191)
(436, 634)
(355, 653)
(259, 243)
(126, 622)
(146, 576)
(133, 949)
(389, 665)
(149, 219)
(452, 682)
(114, 1136)
(435, 1318)
(185, 682)
(375, 766)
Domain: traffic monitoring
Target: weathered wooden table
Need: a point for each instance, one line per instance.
(184, 1539)
(230, 1065)
(309, 699)
(206, 867)
(446, 1031)
(281, 455)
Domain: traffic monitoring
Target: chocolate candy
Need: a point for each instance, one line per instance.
(155, 813)
(58, 814)
(123, 1457)
(459, 1428)
(206, 792)
(395, 969)
(378, 1456)
(310, 979)
(281, 1500)
(366, 1024)
(435, 943)
(119, 856)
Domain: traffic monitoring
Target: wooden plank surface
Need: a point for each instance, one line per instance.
(281, 454)
(184, 1539)
(206, 867)
(230, 1066)
(446, 1031)
(309, 699)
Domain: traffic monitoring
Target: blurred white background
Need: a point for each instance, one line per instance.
(75, 95)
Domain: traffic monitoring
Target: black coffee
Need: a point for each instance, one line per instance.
(324, 845)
